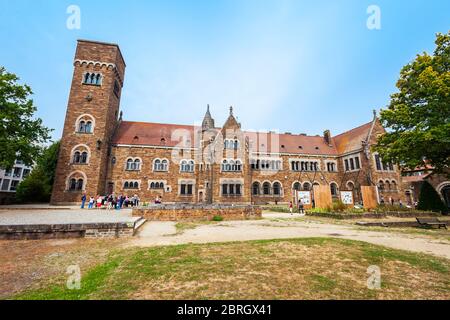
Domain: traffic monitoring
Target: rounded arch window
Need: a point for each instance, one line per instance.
(307, 186)
(334, 189)
(256, 188)
(297, 186)
(85, 124)
(277, 188)
(266, 188)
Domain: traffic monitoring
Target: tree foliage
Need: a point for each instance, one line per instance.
(429, 199)
(418, 117)
(20, 133)
(37, 187)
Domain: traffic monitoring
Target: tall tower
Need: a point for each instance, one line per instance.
(91, 120)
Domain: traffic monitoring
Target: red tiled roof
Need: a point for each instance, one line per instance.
(352, 139)
(146, 133)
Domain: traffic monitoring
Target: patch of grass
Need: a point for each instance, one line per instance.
(307, 268)
(217, 218)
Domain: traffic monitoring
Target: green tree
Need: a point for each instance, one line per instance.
(37, 187)
(418, 117)
(429, 199)
(20, 133)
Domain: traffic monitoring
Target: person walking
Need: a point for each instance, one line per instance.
(291, 208)
(301, 208)
(83, 200)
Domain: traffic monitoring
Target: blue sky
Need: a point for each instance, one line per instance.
(287, 65)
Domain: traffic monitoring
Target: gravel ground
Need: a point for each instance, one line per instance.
(164, 233)
(74, 216)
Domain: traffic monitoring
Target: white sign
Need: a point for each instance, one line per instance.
(347, 197)
(304, 197)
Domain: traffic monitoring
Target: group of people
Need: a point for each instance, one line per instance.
(391, 202)
(110, 201)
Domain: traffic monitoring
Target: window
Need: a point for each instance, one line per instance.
(8, 173)
(297, 186)
(334, 190)
(92, 79)
(255, 188)
(133, 165)
(277, 189)
(131, 185)
(187, 166)
(312, 166)
(266, 188)
(331, 167)
(5, 184)
(381, 166)
(268, 165)
(85, 125)
(161, 165)
(157, 185)
(352, 163)
(76, 185)
(186, 189)
(14, 185)
(80, 157)
(307, 186)
(231, 144)
(381, 185)
(231, 165)
(231, 190)
(17, 173)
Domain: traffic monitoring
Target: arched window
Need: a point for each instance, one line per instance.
(92, 79)
(307, 186)
(98, 79)
(84, 157)
(236, 144)
(255, 188)
(350, 186)
(88, 127)
(136, 185)
(126, 185)
(86, 78)
(76, 157)
(130, 164)
(334, 189)
(297, 186)
(266, 188)
(394, 185)
(165, 165)
(137, 164)
(388, 185)
(82, 127)
(80, 184)
(73, 185)
(381, 185)
(277, 188)
(161, 185)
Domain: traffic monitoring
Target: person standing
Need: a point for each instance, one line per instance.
(290, 208)
(91, 202)
(83, 200)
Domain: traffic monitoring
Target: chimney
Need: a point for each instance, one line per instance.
(327, 136)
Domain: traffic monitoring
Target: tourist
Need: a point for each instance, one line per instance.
(382, 201)
(301, 208)
(290, 207)
(83, 200)
(157, 200)
(136, 200)
(99, 201)
(91, 202)
(391, 201)
(400, 203)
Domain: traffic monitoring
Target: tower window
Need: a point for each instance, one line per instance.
(93, 79)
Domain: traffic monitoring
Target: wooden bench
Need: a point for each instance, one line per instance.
(431, 222)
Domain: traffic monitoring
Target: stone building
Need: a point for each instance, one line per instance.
(102, 154)
(10, 180)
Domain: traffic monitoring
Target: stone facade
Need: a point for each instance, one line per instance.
(229, 164)
(198, 213)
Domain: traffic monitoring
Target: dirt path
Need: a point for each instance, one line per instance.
(164, 233)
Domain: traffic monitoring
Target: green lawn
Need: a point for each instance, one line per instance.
(278, 269)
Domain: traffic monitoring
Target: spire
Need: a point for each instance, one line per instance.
(208, 121)
(231, 121)
(231, 110)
